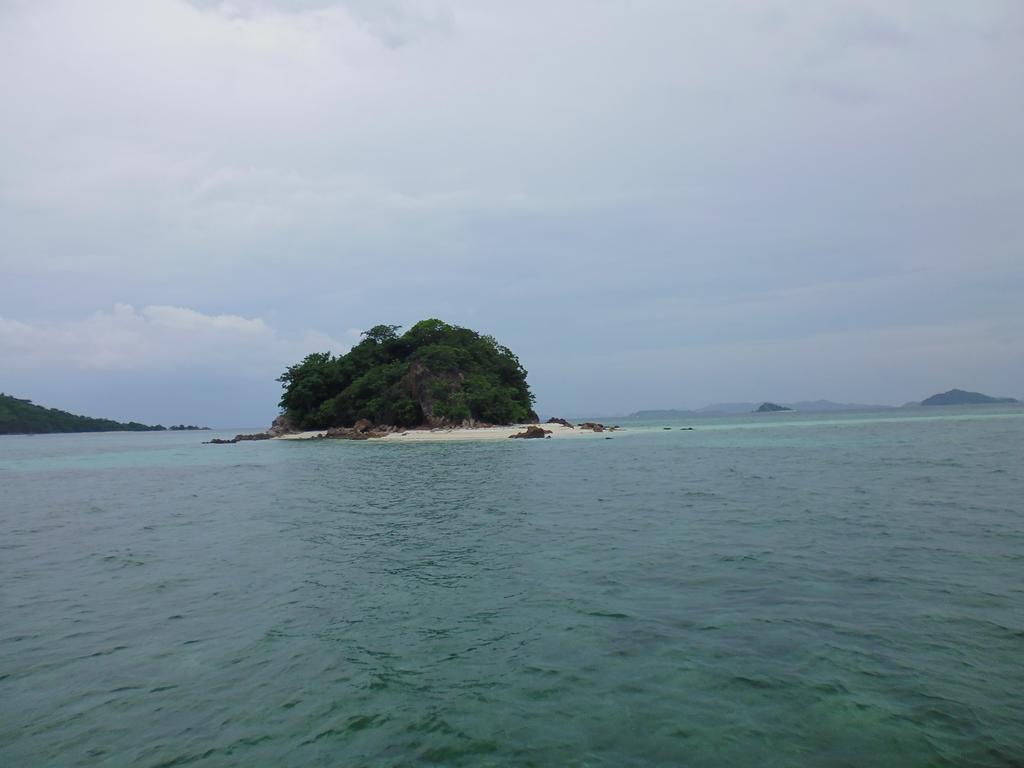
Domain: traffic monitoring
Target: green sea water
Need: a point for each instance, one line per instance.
(771, 590)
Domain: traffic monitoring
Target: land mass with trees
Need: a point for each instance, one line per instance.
(23, 417)
(434, 374)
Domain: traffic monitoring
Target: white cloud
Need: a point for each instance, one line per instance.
(157, 338)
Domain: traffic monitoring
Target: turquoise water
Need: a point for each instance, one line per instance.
(782, 590)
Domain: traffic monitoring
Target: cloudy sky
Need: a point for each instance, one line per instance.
(655, 204)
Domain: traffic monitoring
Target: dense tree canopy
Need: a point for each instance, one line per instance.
(19, 417)
(434, 373)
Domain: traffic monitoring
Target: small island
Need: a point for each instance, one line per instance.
(771, 408)
(963, 397)
(435, 375)
(20, 416)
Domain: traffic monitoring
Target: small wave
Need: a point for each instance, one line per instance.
(108, 651)
(754, 682)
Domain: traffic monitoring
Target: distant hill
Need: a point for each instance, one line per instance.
(962, 397)
(22, 417)
(805, 406)
(771, 408)
(728, 408)
(826, 406)
(671, 413)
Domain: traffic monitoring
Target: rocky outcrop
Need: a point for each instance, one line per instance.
(427, 388)
(563, 422)
(532, 431)
(362, 430)
(592, 426)
(239, 439)
(282, 425)
(347, 433)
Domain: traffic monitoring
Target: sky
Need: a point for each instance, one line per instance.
(655, 204)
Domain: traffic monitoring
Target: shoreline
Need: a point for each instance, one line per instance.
(456, 434)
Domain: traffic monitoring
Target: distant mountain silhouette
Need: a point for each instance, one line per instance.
(824, 406)
(659, 415)
(728, 408)
(962, 397)
(805, 406)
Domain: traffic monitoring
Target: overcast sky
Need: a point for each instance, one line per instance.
(655, 204)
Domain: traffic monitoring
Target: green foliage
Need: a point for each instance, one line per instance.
(434, 372)
(22, 417)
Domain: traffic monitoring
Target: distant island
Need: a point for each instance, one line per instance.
(962, 397)
(22, 417)
(433, 375)
(731, 409)
(771, 408)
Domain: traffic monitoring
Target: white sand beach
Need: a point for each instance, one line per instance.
(302, 435)
(462, 433)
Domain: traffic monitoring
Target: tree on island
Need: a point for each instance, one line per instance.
(434, 374)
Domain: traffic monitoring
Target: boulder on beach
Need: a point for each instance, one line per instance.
(532, 432)
(563, 422)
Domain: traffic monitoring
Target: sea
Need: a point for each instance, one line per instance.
(761, 590)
